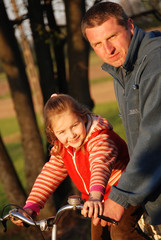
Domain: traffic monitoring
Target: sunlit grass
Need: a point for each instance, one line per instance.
(111, 113)
(2, 77)
(101, 79)
(9, 126)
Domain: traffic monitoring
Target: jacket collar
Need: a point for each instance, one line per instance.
(133, 49)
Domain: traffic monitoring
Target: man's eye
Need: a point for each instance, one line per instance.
(112, 37)
(97, 45)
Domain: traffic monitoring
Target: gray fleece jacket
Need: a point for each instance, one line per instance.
(138, 91)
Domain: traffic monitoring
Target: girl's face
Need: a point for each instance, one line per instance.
(69, 129)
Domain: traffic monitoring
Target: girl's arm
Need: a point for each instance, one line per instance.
(102, 157)
(52, 174)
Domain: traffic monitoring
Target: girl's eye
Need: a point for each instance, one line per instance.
(61, 132)
(76, 124)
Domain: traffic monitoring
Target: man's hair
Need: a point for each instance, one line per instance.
(101, 12)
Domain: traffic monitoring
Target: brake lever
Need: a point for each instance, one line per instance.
(4, 223)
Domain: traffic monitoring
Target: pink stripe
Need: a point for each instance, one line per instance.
(33, 206)
(98, 188)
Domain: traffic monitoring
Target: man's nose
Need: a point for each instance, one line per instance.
(108, 47)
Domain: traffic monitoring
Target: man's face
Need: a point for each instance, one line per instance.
(111, 41)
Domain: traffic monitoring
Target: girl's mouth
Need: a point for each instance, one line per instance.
(75, 140)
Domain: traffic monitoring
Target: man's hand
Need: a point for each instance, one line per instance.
(112, 210)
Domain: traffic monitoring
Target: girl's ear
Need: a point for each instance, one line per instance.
(85, 119)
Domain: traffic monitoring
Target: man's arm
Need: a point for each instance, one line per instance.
(142, 176)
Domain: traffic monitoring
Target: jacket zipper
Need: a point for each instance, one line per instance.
(73, 157)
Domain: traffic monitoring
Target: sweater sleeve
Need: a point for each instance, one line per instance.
(142, 176)
(103, 155)
(52, 174)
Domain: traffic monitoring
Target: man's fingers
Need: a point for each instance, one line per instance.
(103, 223)
(96, 221)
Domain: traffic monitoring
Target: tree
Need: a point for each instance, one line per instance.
(42, 49)
(58, 40)
(14, 68)
(78, 52)
(9, 178)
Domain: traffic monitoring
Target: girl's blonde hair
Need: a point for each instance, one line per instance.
(57, 104)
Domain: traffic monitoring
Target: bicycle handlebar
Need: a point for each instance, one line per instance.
(45, 224)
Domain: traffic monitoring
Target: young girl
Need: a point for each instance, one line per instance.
(84, 146)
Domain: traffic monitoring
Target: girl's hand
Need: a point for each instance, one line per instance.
(93, 207)
(19, 222)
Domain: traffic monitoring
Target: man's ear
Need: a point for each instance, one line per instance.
(131, 26)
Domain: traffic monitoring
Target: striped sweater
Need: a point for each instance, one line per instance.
(95, 167)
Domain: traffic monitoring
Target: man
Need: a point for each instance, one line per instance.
(133, 57)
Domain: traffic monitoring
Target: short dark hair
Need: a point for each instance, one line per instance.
(101, 12)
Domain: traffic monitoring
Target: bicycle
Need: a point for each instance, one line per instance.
(74, 203)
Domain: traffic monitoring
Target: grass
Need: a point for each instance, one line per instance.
(94, 59)
(2, 77)
(9, 126)
(111, 113)
(102, 79)
(5, 96)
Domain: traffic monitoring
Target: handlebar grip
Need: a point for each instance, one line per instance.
(26, 225)
(107, 219)
(4, 225)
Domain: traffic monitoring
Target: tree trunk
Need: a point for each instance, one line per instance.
(78, 53)
(14, 68)
(58, 45)
(42, 49)
(9, 179)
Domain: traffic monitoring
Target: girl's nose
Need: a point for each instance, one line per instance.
(72, 134)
